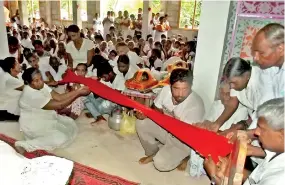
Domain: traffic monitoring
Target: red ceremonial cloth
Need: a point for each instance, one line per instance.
(203, 141)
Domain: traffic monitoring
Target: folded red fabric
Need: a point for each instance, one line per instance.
(202, 141)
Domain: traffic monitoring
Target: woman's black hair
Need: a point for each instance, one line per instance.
(104, 68)
(13, 41)
(97, 51)
(38, 42)
(82, 35)
(73, 28)
(98, 60)
(157, 52)
(98, 37)
(7, 64)
(157, 43)
(137, 51)
(181, 75)
(236, 67)
(28, 75)
(114, 51)
(83, 64)
(124, 59)
(51, 58)
(192, 45)
(27, 52)
(148, 36)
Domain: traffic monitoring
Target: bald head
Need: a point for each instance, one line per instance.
(274, 33)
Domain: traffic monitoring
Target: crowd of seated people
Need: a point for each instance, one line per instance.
(112, 52)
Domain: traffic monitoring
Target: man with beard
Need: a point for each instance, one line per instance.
(178, 101)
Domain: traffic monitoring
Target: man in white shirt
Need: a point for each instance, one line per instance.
(98, 106)
(268, 53)
(26, 41)
(118, 21)
(123, 49)
(270, 133)
(178, 101)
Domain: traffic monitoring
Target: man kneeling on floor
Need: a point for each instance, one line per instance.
(180, 102)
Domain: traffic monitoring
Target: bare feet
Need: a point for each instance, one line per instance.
(88, 115)
(98, 119)
(73, 116)
(20, 150)
(146, 160)
(183, 165)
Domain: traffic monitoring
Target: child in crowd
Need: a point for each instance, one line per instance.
(75, 109)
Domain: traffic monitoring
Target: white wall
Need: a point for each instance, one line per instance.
(212, 32)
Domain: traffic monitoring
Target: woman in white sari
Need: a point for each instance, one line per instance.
(42, 127)
(10, 89)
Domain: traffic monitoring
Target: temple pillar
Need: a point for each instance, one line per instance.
(76, 10)
(92, 8)
(209, 51)
(146, 19)
(45, 11)
(23, 12)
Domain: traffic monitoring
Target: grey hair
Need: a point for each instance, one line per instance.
(273, 112)
(273, 32)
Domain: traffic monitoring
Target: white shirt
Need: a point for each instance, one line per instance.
(146, 48)
(97, 24)
(162, 55)
(263, 85)
(272, 80)
(250, 96)
(118, 83)
(158, 63)
(57, 76)
(134, 59)
(130, 74)
(269, 172)
(216, 110)
(9, 96)
(79, 56)
(191, 110)
(27, 43)
(44, 66)
(125, 20)
(171, 60)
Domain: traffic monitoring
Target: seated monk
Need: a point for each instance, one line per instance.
(179, 101)
(270, 133)
(42, 127)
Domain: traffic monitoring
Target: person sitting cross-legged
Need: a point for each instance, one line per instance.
(97, 105)
(176, 100)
